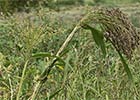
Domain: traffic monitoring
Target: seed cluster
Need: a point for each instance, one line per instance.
(117, 29)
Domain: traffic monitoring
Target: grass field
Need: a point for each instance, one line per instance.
(81, 72)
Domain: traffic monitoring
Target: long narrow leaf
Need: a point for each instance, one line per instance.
(126, 68)
(98, 37)
(54, 94)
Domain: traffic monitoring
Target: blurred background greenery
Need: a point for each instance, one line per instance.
(10, 6)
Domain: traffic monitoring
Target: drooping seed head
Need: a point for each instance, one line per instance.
(117, 29)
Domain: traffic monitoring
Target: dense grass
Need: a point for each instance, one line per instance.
(86, 75)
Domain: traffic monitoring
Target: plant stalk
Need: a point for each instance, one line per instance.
(48, 69)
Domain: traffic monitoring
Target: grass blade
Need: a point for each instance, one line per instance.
(54, 94)
(21, 81)
(42, 54)
(126, 68)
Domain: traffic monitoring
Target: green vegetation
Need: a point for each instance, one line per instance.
(69, 49)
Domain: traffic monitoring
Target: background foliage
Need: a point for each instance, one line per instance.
(42, 26)
(26, 5)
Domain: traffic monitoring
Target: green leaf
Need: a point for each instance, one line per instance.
(126, 68)
(98, 37)
(54, 94)
(46, 54)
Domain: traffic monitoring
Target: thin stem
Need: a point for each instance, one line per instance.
(21, 80)
(67, 40)
(44, 75)
(36, 89)
(48, 69)
(11, 88)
